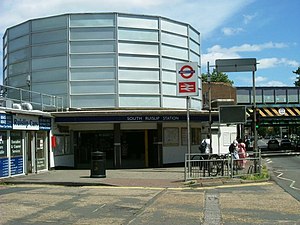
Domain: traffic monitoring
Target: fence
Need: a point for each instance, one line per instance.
(200, 166)
(12, 97)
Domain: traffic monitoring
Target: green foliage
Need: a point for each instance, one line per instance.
(264, 175)
(297, 82)
(217, 77)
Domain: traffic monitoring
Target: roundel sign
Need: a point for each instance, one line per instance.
(187, 79)
(186, 71)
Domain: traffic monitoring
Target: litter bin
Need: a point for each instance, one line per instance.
(98, 165)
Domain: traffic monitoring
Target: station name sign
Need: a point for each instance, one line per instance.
(131, 118)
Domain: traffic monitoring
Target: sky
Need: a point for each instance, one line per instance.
(267, 30)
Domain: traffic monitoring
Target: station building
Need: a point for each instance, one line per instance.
(116, 74)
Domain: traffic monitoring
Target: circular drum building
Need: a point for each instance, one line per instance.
(116, 73)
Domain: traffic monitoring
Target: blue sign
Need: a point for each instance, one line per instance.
(45, 123)
(133, 118)
(16, 165)
(4, 167)
(6, 121)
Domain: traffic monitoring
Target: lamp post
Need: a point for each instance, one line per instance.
(209, 105)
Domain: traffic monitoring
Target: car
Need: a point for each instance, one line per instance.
(286, 144)
(273, 144)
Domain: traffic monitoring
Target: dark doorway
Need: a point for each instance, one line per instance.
(87, 142)
(133, 149)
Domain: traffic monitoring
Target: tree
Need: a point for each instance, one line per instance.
(297, 82)
(217, 77)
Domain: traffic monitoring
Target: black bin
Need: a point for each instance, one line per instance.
(98, 165)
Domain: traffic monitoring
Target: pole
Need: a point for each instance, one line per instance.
(188, 132)
(209, 106)
(255, 148)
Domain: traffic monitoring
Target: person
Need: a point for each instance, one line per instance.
(205, 145)
(242, 154)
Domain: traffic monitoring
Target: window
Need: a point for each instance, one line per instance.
(195, 136)
(3, 144)
(61, 147)
(268, 96)
(292, 95)
(16, 143)
(171, 136)
(41, 150)
(280, 95)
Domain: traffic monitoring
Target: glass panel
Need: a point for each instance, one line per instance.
(139, 75)
(3, 142)
(146, 62)
(195, 47)
(92, 73)
(93, 101)
(5, 38)
(258, 96)
(138, 22)
(194, 58)
(50, 62)
(168, 76)
(92, 33)
(268, 96)
(173, 27)
(92, 20)
(5, 73)
(19, 55)
(280, 95)
(5, 62)
(138, 88)
(174, 102)
(138, 35)
(170, 64)
(92, 46)
(138, 48)
(169, 89)
(18, 81)
(174, 39)
(51, 36)
(18, 68)
(18, 43)
(93, 60)
(5, 51)
(49, 23)
(49, 75)
(243, 96)
(293, 95)
(140, 101)
(53, 49)
(174, 52)
(18, 31)
(41, 150)
(55, 88)
(93, 87)
(16, 143)
(194, 35)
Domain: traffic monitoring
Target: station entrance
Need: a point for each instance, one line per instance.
(138, 148)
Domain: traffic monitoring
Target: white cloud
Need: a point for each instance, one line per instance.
(249, 18)
(219, 52)
(229, 31)
(275, 62)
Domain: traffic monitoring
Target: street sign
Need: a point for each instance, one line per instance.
(229, 114)
(187, 79)
(236, 65)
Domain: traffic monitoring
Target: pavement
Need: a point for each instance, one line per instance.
(172, 177)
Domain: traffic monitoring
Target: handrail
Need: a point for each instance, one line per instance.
(40, 101)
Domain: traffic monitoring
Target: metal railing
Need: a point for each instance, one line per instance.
(12, 97)
(200, 166)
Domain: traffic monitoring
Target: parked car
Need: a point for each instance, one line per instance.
(286, 144)
(273, 144)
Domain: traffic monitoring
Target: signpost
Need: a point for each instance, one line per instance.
(242, 65)
(187, 85)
